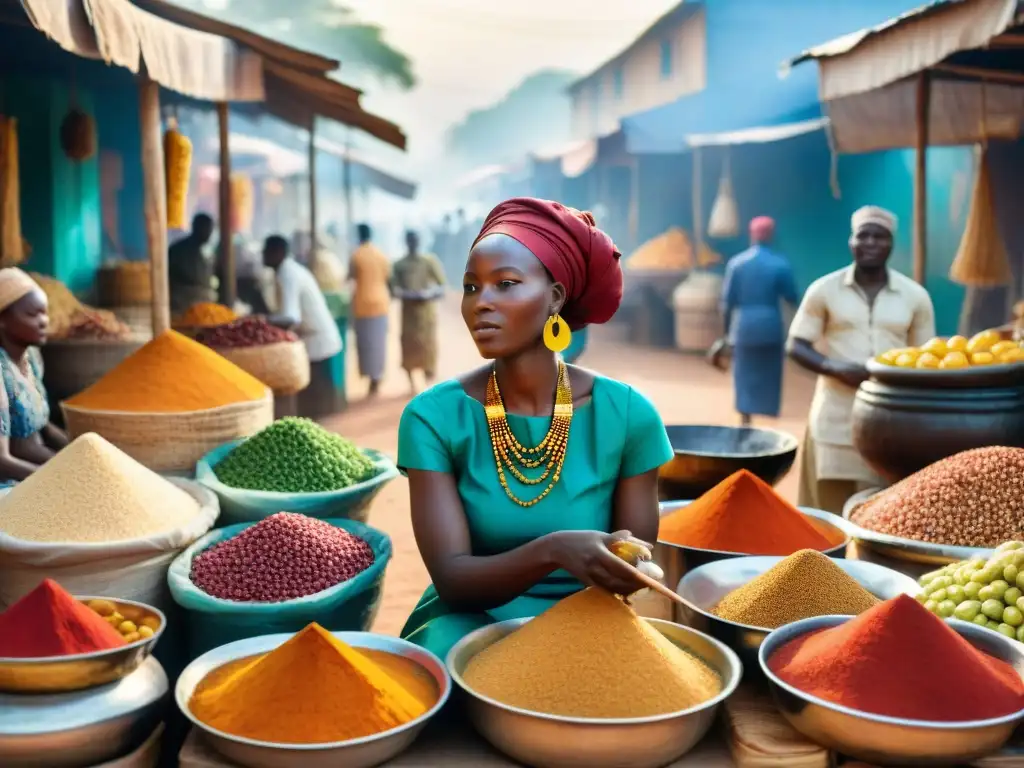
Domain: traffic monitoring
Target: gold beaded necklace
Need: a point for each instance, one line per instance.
(549, 453)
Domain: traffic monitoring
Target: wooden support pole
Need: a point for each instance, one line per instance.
(346, 185)
(921, 178)
(226, 253)
(154, 186)
(312, 188)
(698, 202)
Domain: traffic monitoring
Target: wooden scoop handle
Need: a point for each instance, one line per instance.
(656, 585)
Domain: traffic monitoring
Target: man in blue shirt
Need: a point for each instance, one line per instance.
(756, 283)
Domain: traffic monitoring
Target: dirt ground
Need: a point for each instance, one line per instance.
(684, 388)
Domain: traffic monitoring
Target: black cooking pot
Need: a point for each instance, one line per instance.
(906, 419)
(706, 455)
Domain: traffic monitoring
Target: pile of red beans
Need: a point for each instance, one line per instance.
(283, 557)
(249, 331)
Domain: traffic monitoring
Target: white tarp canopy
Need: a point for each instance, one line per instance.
(869, 85)
(762, 135)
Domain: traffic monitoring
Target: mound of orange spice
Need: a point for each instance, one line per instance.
(742, 514)
(313, 689)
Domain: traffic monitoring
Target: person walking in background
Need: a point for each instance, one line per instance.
(756, 283)
(302, 306)
(853, 314)
(189, 269)
(418, 282)
(370, 270)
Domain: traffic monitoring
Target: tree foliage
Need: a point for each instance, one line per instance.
(322, 26)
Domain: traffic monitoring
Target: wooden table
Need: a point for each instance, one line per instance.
(450, 748)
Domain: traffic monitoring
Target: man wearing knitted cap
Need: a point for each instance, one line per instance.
(845, 319)
(756, 283)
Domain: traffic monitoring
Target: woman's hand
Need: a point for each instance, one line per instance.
(588, 557)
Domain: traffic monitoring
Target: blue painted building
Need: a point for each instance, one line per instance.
(734, 53)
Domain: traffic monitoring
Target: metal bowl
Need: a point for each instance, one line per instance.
(683, 559)
(552, 741)
(703, 588)
(356, 753)
(893, 740)
(707, 455)
(912, 550)
(71, 730)
(62, 674)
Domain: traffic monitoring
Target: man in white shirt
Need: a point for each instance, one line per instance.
(302, 305)
(846, 318)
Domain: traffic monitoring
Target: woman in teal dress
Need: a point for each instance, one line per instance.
(27, 438)
(520, 471)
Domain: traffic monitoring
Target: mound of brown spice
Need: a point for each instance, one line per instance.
(971, 499)
(805, 584)
(591, 656)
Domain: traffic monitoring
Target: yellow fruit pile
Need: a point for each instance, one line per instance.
(133, 627)
(956, 352)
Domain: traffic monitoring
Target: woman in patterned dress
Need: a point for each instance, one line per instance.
(27, 438)
(418, 281)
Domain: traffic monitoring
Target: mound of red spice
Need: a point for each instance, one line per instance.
(742, 514)
(251, 331)
(283, 557)
(900, 660)
(50, 622)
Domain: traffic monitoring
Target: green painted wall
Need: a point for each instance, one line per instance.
(60, 199)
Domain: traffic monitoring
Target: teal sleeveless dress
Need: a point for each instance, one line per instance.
(617, 434)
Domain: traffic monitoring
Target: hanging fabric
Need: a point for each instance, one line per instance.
(982, 260)
(725, 219)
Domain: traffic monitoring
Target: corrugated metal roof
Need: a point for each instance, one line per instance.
(846, 43)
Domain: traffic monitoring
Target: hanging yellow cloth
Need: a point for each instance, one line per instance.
(982, 260)
(12, 246)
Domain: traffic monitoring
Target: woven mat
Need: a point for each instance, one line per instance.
(759, 737)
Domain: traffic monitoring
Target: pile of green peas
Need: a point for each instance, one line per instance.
(989, 593)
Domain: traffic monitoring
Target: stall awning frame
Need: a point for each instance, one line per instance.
(868, 80)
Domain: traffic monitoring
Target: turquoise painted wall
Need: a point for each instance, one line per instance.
(790, 182)
(60, 199)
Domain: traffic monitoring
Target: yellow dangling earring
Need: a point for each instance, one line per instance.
(557, 336)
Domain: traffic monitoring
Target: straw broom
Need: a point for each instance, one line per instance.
(981, 260)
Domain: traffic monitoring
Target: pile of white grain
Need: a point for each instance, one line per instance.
(94, 492)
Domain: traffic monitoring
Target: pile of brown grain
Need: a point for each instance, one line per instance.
(972, 499)
(805, 584)
(591, 656)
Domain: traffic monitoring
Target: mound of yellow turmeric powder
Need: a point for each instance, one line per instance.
(313, 689)
(170, 374)
(590, 655)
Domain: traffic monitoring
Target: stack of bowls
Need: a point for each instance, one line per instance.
(84, 709)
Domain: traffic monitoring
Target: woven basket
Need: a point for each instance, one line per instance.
(120, 287)
(172, 442)
(71, 365)
(284, 366)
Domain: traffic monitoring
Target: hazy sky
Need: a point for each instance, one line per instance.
(469, 53)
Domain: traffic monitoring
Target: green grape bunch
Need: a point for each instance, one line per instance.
(989, 593)
(295, 455)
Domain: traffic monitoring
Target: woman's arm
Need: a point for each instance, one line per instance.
(14, 467)
(636, 506)
(54, 438)
(31, 449)
(467, 582)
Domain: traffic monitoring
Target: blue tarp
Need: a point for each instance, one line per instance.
(747, 40)
(776, 102)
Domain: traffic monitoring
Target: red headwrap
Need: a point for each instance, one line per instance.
(577, 254)
(762, 229)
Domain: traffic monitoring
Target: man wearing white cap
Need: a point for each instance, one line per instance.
(846, 318)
